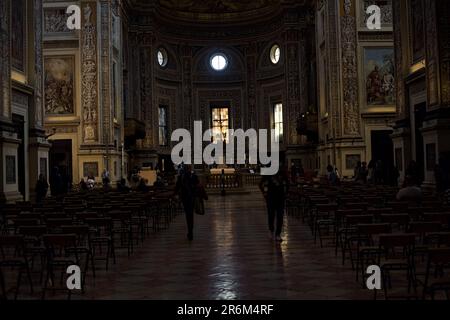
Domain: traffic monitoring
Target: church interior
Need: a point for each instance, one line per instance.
(92, 91)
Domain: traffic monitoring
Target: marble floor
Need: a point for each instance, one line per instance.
(231, 257)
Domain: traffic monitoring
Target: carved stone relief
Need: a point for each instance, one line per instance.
(38, 65)
(431, 53)
(293, 110)
(146, 110)
(5, 58)
(386, 12)
(444, 49)
(107, 112)
(89, 92)
(333, 66)
(399, 52)
(251, 85)
(188, 111)
(349, 71)
(55, 20)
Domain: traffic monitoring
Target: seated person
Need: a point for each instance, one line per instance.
(411, 192)
(122, 186)
(142, 187)
(83, 185)
(91, 182)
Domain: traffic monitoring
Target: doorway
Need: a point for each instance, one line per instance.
(61, 157)
(383, 152)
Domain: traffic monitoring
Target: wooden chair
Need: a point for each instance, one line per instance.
(61, 250)
(397, 254)
(437, 276)
(13, 255)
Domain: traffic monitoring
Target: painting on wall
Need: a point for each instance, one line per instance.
(351, 160)
(90, 169)
(59, 85)
(10, 162)
(379, 76)
(18, 37)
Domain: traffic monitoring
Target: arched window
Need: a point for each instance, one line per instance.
(162, 57)
(218, 62)
(275, 54)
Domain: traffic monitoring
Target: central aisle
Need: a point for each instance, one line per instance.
(231, 257)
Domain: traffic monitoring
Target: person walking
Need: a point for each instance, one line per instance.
(41, 188)
(185, 190)
(105, 179)
(200, 196)
(274, 189)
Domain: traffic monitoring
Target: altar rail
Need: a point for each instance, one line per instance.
(232, 180)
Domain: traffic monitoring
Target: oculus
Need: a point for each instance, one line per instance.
(275, 54)
(162, 57)
(218, 62)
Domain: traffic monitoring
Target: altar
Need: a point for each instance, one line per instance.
(218, 171)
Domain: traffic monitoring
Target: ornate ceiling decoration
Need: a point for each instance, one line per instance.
(217, 6)
(215, 11)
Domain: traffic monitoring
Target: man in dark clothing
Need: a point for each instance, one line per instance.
(185, 190)
(274, 189)
(41, 188)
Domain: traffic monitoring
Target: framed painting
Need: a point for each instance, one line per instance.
(351, 160)
(59, 73)
(90, 169)
(378, 79)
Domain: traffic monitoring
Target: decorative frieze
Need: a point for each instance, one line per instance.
(349, 70)
(443, 18)
(432, 59)
(146, 110)
(89, 86)
(5, 58)
(106, 78)
(251, 54)
(399, 52)
(55, 20)
(293, 110)
(38, 65)
(187, 87)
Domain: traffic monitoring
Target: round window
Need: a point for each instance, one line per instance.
(218, 62)
(162, 57)
(275, 54)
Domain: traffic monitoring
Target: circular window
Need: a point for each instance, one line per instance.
(275, 54)
(218, 62)
(162, 57)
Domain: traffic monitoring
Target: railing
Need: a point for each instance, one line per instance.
(232, 181)
(251, 179)
(226, 181)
